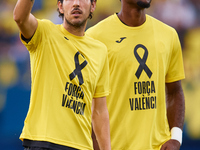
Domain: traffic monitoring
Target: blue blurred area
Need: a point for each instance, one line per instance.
(15, 80)
(12, 117)
(37, 5)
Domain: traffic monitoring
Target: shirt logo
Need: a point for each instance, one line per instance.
(121, 39)
(142, 61)
(79, 67)
(66, 38)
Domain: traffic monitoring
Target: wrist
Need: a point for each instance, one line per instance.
(176, 134)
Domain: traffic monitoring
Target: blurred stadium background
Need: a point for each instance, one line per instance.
(183, 15)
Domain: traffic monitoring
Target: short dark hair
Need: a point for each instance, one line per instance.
(61, 15)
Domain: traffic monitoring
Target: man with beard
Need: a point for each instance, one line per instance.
(146, 105)
(70, 75)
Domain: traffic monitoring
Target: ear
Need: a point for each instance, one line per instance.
(60, 7)
(93, 6)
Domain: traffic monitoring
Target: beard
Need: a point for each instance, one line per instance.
(143, 4)
(76, 24)
(80, 23)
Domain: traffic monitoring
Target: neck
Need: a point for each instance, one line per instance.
(132, 16)
(75, 30)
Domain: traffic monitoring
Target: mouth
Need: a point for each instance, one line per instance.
(76, 12)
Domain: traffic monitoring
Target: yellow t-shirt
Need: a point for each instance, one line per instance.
(141, 60)
(67, 72)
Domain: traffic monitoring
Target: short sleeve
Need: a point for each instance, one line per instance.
(176, 69)
(102, 88)
(37, 37)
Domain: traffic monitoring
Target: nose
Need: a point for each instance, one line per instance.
(76, 3)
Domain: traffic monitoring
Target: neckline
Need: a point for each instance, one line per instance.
(129, 27)
(70, 34)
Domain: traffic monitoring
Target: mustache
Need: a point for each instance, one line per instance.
(76, 9)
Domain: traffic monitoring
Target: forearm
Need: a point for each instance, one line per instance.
(101, 128)
(176, 108)
(95, 143)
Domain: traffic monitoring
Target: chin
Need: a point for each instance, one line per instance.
(78, 23)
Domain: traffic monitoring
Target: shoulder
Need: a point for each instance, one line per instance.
(47, 28)
(104, 24)
(96, 43)
(105, 21)
(160, 25)
(162, 29)
(45, 23)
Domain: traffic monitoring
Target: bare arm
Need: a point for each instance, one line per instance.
(175, 104)
(26, 22)
(100, 122)
(95, 143)
(175, 111)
